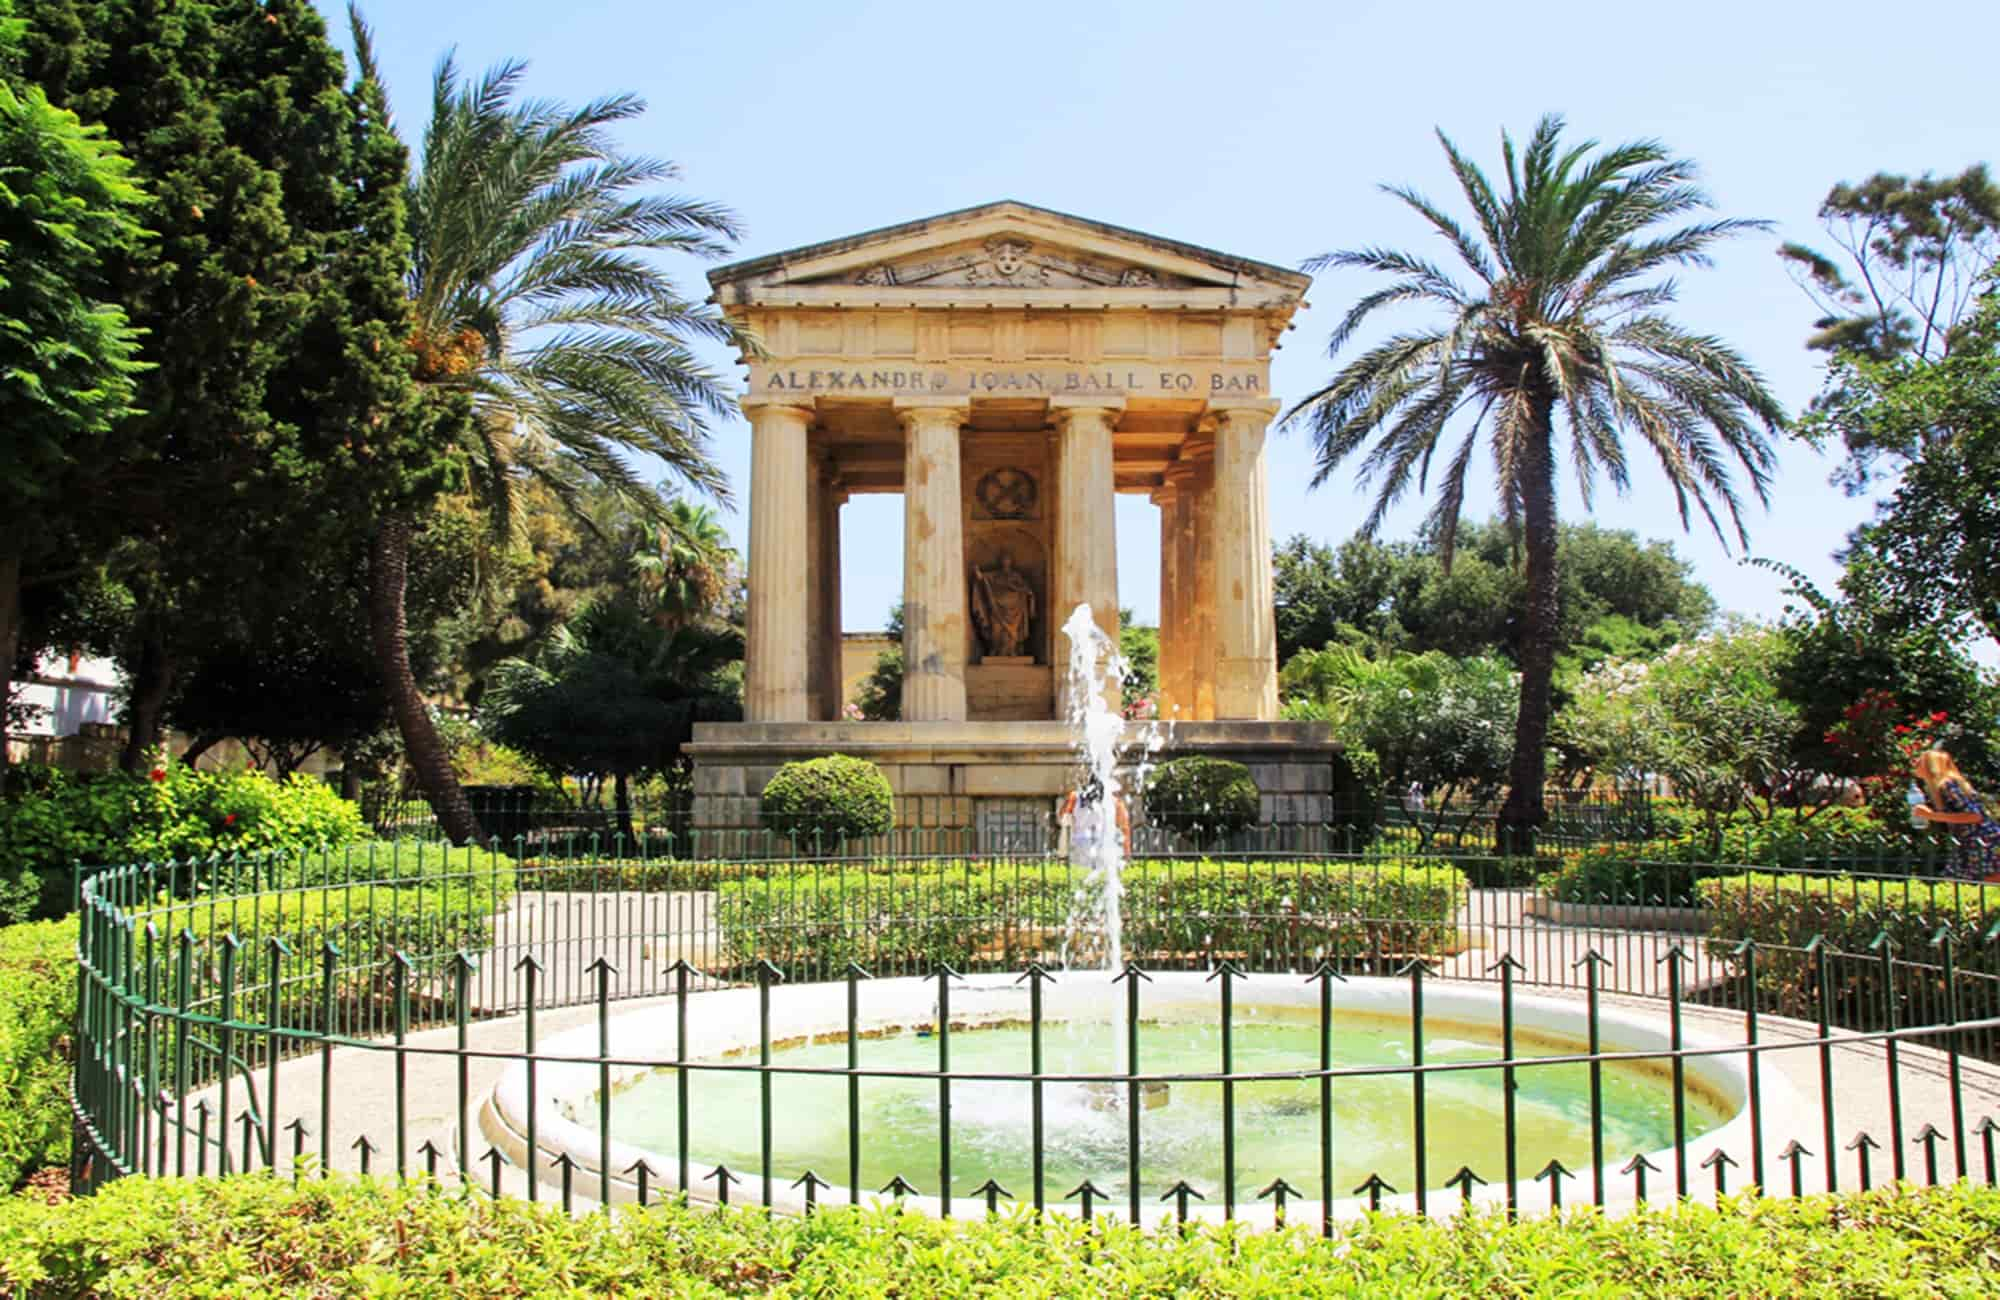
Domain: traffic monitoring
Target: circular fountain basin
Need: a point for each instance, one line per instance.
(1277, 1133)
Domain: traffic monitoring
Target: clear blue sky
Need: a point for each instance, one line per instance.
(1263, 130)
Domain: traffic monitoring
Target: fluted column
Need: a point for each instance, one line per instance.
(775, 658)
(1177, 561)
(1201, 578)
(1086, 570)
(831, 694)
(934, 627)
(1246, 622)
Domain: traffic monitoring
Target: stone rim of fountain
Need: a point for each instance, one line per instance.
(569, 1085)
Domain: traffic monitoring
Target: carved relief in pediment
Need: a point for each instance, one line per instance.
(1010, 261)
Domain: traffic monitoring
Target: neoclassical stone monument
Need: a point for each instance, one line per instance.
(1008, 370)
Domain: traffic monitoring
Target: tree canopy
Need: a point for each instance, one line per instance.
(1616, 591)
(69, 359)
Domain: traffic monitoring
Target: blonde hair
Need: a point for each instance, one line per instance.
(1934, 767)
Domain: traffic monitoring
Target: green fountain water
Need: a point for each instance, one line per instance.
(1277, 1123)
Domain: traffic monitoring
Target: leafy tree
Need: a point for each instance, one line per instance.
(1139, 647)
(1427, 718)
(1562, 315)
(616, 694)
(278, 396)
(1710, 715)
(1933, 551)
(535, 290)
(1841, 649)
(1901, 285)
(1400, 595)
(880, 695)
(68, 359)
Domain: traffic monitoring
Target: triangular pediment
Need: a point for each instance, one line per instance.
(1001, 247)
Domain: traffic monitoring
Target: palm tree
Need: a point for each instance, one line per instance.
(535, 292)
(685, 563)
(1563, 311)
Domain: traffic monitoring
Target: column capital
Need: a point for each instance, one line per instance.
(911, 410)
(1065, 406)
(1261, 411)
(804, 406)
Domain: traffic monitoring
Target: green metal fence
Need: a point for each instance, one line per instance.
(232, 1013)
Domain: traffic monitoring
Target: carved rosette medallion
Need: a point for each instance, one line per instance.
(1007, 493)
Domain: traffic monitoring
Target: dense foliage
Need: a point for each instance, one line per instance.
(68, 358)
(37, 1015)
(1615, 590)
(171, 813)
(255, 1237)
(1441, 724)
(1203, 799)
(823, 802)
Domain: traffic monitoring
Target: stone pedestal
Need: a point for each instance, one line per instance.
(946, 773)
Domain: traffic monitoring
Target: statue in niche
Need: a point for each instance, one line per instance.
(1003, 608)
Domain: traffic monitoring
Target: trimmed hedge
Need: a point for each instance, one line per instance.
(1784, 913)
(37, 1011)
(812, 921)
(821, 802)
(1204, 799)
(255, 1236)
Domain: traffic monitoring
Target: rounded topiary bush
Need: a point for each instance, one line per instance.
(1204, 799)
(820, 802)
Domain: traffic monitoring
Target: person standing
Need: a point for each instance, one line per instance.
(1088, 821)
(1951, 802)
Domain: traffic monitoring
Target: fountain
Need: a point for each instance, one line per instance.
(793, 1076)
(1096, 669)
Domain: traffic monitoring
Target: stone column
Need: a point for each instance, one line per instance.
(815, 576)
(1177, 579)
(1201, 577)
(774, 668)
(1086, 567)
(1246, 623)
(934, 626)
(822, 590)
(835, 699)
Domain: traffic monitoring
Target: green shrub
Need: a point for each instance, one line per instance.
(37, 1011)
(822, 802)
(1626, 875)
(812, 921)
(259, 1236)
(1784, 913)
(1204, 799)
(174, 813)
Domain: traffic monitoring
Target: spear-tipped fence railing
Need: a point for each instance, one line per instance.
(292, 1013)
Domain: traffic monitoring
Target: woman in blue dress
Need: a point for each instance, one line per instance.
(1951, 802)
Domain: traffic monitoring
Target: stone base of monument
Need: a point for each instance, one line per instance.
(994, 787)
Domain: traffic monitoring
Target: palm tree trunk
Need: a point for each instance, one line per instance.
(1523, 812)
(389, 564)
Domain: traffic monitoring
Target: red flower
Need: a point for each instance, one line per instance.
(159, 774)
(230, 820)
(1902, 730)
(1937, 717)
